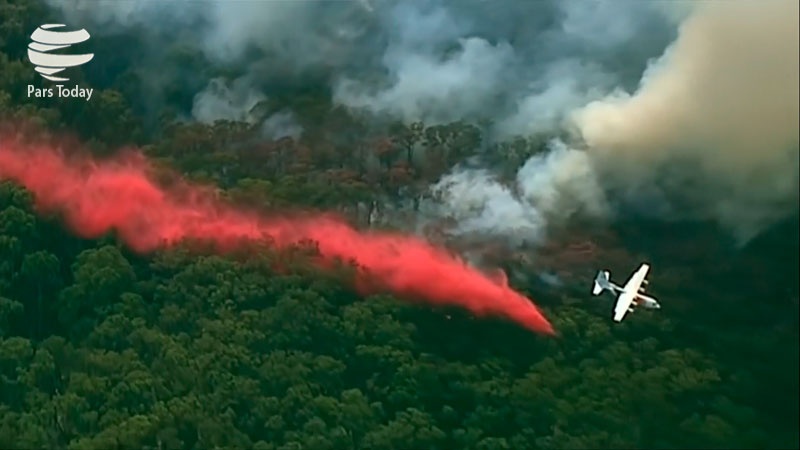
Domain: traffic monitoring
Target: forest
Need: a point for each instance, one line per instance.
(104, 347)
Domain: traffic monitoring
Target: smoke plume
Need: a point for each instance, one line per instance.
(714, 122)
(97, 197)
(550, 189)
(238, 101)
(710, 133)
(678, 110)
(521, 64)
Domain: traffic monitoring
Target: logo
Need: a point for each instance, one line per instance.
(43, 41)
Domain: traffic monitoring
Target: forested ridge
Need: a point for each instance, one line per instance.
(104, 348)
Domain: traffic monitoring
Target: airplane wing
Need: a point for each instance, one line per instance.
(629, 292)
(636, 280)
(623, 303)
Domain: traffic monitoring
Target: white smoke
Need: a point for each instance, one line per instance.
(238, 101)
(429, 88)
(481, 204)
(429, 60)
(711, 133)
(280, 125)
(226, 101)
(563, 87)
(709, 130)
(551, 188)
(715, 120)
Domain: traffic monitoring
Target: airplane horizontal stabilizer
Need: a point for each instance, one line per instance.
(601, 282)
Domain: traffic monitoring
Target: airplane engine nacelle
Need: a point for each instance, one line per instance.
(641, 290)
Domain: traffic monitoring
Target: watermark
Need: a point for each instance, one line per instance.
(43, 41)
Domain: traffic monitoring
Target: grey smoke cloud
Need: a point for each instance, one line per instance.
(221, 100)
(711, 132)
(515, 62)
(678, 109)
(550, 189)
(479, 203)
(282, 124)
(237, 101)
(562, 86)
(715, 120)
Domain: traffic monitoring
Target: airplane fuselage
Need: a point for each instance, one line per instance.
(647, 302)
(629, 296)
(640, 299)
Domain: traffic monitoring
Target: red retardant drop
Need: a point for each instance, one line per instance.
(95, 197)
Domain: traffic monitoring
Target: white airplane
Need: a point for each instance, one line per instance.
(630, 295)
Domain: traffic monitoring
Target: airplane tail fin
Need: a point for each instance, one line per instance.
(601, 282)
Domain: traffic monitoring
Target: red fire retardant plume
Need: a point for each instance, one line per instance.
(95, 197)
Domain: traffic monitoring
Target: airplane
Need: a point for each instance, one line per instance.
(630, 295)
